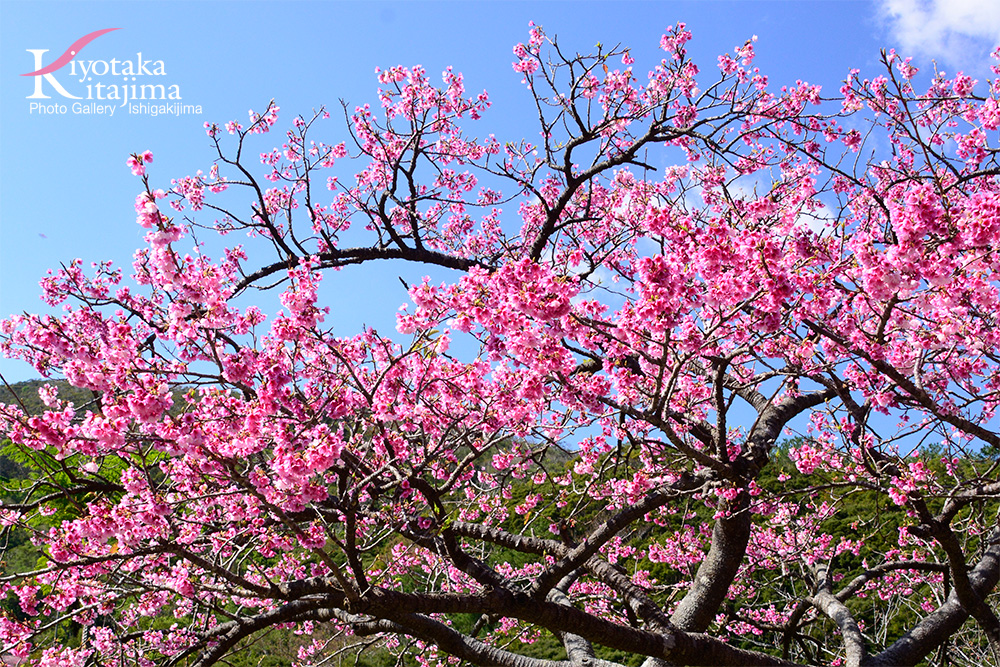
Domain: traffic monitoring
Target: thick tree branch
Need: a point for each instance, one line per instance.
(942, 623)
(837, 611)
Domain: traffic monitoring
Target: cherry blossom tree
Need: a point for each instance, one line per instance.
(628, 414)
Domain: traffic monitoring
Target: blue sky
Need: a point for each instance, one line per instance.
(65, 191)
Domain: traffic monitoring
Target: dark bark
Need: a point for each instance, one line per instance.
(945, 621)
(716, 573)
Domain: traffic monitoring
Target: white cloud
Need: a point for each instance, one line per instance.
(959, 32)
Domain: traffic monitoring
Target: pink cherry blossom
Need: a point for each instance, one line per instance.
(731, 409)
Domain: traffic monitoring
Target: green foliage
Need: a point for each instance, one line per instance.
(25, 395)
(864, 515)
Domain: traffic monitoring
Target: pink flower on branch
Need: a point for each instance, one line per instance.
(675, 412)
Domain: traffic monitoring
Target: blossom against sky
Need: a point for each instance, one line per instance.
(66, 191)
